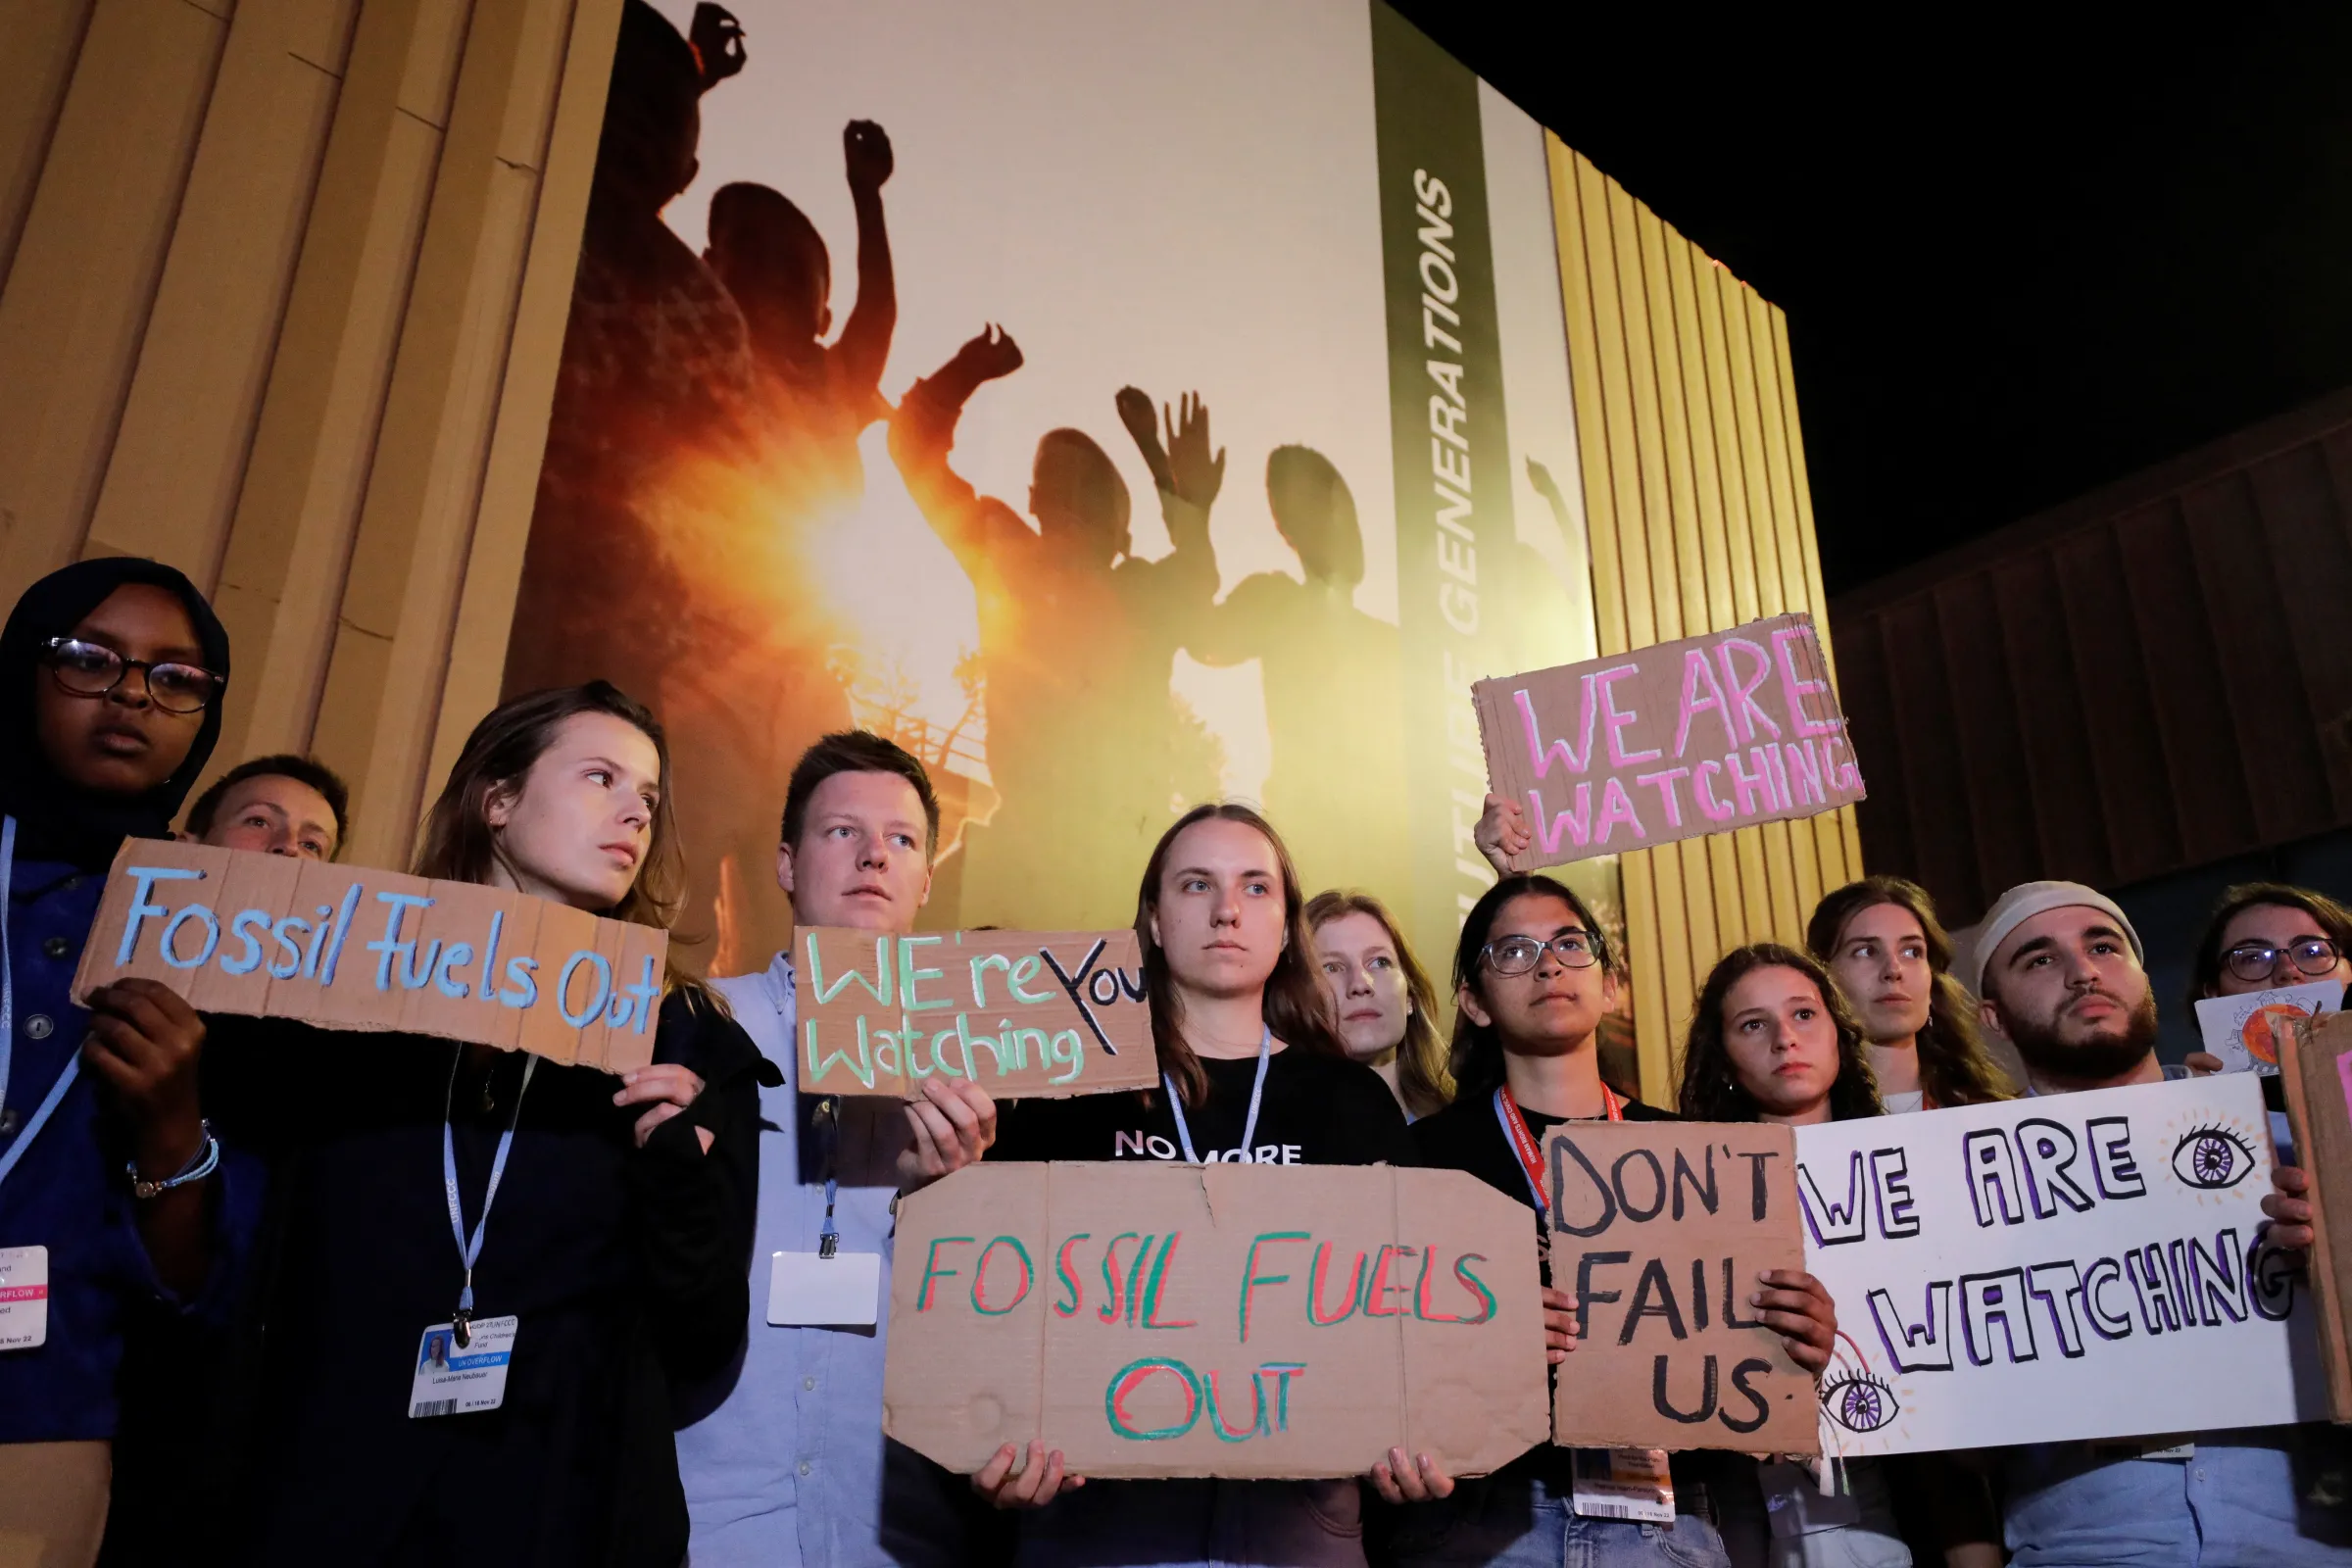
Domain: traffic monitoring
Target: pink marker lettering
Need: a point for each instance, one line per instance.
(1577, 821)
(1696, 672)
(1663, 783)
(1803, 769)
(1542, 755)
(1619, 757)
(1748, 788)
(1618, 807)
(1744, 692)
(1794, 687)
(1704, 787)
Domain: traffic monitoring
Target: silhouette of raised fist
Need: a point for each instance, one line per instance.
(717, 40)
(865, 148)
(989, 355)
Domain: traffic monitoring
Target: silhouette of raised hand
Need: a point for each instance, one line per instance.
(717, 40)
(1545, 486)
(1198, 476)
(866, 147)
(1142, 423)
(992, 353)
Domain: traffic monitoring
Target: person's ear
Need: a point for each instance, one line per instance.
(924, 897)
(498, 807)
(784, 868)
(1155, 924)
(1989, 1014)
(1608, 990)
(1465, 1001)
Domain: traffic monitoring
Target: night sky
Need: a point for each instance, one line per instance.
(2019, 260)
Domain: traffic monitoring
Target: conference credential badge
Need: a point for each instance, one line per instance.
(808, 1289)
(24, 1296)
(453, 1379)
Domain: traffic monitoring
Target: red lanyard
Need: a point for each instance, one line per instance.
(1523, 1142)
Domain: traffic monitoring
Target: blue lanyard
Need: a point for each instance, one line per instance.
(825, 1121)
(470, 1251)
(1257, 1090)
(8, 1016)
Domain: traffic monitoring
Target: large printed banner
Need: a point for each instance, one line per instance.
(349, 947)
(1709, 734)
(1220, 1320)
(1085, 452)
(1659, 1230)
(1022, 1013)
(2074, 1266)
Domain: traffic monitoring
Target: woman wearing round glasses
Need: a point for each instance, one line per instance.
(116, 1207)
(1533, 980)
(2264, 935)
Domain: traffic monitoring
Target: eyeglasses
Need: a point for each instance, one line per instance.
(2255, 961)
(1577, 949)
(92, 669)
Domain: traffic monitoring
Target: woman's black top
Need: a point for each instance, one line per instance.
(1317, 1109)
(626, 1267)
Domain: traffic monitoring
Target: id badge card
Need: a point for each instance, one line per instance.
(1625, 1483)
(23, 1298)
(453, 1379)
(807, 1290)
(1797, 1507)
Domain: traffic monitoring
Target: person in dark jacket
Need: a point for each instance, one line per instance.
(612, 1267)
(116, 1211)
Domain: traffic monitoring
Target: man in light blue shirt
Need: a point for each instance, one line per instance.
(784, 1461)
(2058, 971)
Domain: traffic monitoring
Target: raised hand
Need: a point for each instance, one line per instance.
(717, 40)
(865, 149)
(1797, 1308)
(1142, 423)
(990, 355)
(1196, 476)
(1545, 485)
(1501, 833)
(1559, 1324)
(2288, 1209)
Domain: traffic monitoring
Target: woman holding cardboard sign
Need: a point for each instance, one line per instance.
(1533, 979)
(623, 1213)
(114, 1203)
(1253, 1071)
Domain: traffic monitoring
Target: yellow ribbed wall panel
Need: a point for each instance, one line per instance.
(1694, 482)
(281, 295)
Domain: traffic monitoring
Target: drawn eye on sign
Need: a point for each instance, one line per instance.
(2213, 1158)
(1853, 1396)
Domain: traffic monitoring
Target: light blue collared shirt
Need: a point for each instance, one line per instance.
(784, 1463)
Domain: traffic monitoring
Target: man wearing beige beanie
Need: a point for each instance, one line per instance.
(2058, 973)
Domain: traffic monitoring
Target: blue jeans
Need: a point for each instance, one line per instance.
(1198, 1524)
(1519, 1522)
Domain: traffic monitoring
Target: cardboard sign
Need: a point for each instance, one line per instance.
(351, 948)
(1022, 1013)
(2073, 1266)
(2245, 1031)
(1658, 1231)
(1220, 1320)
(1669, 742)
(2315, 1069)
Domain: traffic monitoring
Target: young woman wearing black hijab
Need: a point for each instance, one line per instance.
(115, 1205)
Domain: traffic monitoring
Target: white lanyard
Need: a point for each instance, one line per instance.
(8, 1016)
(470, 1251)
(1257, 1092)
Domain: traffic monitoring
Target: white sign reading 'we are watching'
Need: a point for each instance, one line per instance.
(2040, 1270)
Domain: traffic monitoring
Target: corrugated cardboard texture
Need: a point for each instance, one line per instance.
(1226, 1320)
(1676, 1220)
(1669, 742)
(280, 938)
(2316, 1063)
(1023, 1014)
